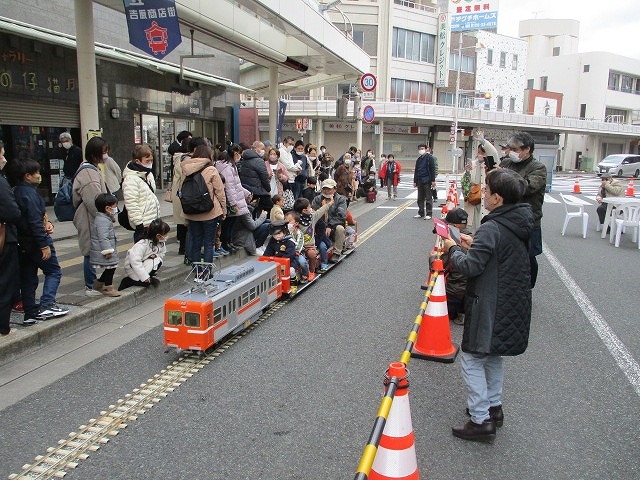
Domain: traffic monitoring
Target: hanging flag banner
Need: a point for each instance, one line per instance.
(282, 108)
(153, 26)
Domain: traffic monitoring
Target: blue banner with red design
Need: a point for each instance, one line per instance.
(153, 26)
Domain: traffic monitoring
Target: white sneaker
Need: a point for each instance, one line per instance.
(90, 292)
(417, 216)
(428, 217)
(260, 251)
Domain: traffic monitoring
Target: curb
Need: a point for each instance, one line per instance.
(24, 341)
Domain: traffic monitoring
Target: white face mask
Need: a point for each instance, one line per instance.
(323, 150)
(115, 211)
(67, 145)
(311, 158)
(289, 148)
(278, 236)
(422, 151)
(261, 153)
(105, 156)
(327, 195)
(347, 162)
(513, 156)
(148, 166)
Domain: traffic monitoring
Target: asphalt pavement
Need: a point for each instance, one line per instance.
(296, 397)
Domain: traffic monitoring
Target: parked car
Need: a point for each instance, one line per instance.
(620, 165)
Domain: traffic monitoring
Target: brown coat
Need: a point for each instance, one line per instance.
(214, 184)
(87, 185)
(342, 176)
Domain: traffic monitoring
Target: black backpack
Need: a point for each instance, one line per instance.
(194, 194)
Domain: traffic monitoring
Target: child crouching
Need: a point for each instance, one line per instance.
(282, 245)
(104, 251)
(144, 259)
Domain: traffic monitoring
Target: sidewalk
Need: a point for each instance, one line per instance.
(86, 311)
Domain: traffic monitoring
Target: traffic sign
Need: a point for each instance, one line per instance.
(368, 82)
(368, 114)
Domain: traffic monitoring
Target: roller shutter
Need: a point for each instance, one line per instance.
(13, 112)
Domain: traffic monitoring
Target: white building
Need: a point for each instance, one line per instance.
(599, 86)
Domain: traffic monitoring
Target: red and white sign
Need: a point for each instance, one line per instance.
(368, 82)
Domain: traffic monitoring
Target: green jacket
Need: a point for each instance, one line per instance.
(535, 177)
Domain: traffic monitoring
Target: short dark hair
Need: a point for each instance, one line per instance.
(521, 140)
(155, 228)
(233, 148)
(29, 167)
(391, 155)
(295, 215)
(183, 134)
(353, 149)
(93, 150)
(300, 204)
(312, 180)
(276, 198)
(288, 138)
(103, 200)
(195, 142)
(298, 143)
(422, 145)
(506, 183)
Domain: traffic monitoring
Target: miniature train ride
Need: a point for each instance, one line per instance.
(228, 301)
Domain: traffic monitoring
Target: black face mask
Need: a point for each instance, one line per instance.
(305, 219)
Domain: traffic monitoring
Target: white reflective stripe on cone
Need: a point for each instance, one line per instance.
(395, 463)
(437, 309)
(399, 421)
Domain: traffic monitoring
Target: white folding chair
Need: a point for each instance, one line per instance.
(580, 213)
(629, 217)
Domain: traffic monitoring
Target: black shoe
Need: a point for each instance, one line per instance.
(472, 431)
(181, 251)
(496, 414)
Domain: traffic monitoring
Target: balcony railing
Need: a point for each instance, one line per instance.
(431, 112)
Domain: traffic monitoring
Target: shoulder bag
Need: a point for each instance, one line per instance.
(475, 194)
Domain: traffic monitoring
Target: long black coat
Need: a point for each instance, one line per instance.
(498, 296)
(253, 173)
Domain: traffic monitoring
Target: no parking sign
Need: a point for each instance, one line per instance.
(368, 114)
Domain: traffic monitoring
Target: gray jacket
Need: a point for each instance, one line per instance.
(103, 241)
(498, 295)
(337, 214)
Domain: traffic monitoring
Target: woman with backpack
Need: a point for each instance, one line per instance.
(88, 183)
(139, 190)
(203, 200)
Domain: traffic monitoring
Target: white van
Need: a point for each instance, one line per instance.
(620, 165)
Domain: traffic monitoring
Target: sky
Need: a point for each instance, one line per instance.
(610, 26)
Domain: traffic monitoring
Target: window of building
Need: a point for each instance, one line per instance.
(637, 89)
(543, 83)
(626, 82)
(556, 51)
(446, 98)
(530, 84)
(503, 59)
(411, 45)
(585, 68)
(489, 56)
(499, 102)
(614, 81)
(512, 104)
(468, 63)
(411, 91)
(514, 62)
(615, 115)
(583, 111)
(358, 38)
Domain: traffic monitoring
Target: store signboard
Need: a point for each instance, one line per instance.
(186, 104)
(473, 14)
(153, 26)
(442, 61)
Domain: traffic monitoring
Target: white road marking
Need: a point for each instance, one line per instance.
(577, 199)
(618, 350)
(549, 199)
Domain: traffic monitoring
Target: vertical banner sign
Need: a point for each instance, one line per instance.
(443, 39)
(153, 26)
(473, 15)
(282, 108)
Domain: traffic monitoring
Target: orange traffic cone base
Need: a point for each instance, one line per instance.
(447, 357)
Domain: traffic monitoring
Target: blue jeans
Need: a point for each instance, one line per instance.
(261, 233)
(483, 375)
(89, 273)
(304, 265)
(203, 234)
(29, 264)
(324, 255)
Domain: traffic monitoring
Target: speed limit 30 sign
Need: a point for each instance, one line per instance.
(368, 82)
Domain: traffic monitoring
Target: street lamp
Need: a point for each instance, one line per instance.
(455, 151)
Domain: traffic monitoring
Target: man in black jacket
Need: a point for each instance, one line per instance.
(255, 178)
(424, 178)
(9, 216)
(71, 154)
(497, 299)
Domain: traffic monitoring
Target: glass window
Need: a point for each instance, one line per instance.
(500, 102)
(427, 48)
(402, 38)
(415, 49)
(245, 298)
(224, 311)
(614, 81)
(586, 68)
(556, 51)
(530, 84)
(192, 319)
(358, 38)
(174, 317)
(217, 315)
(625, 83)
(503, 59)
(412, 45)
(512, 104)
(514, 62)
(489, 56)
(543, 83)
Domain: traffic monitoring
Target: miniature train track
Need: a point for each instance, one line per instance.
(88, 438)
(70, 451)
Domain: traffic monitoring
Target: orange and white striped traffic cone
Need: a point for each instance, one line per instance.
(434, 336)
(630, 190)
(396, 455)
(576, 186)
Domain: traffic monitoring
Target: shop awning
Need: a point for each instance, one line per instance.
(116, 54)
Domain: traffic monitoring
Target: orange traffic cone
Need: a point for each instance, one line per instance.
(576, 186)
(434, 336)
(630, 192)
(396, 455)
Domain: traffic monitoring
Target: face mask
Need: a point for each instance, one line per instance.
(327, 195)
(278, 236)
(356, 156)
(347, 162)
(289, 148)
(311, 158)
(161, 238)
(67, 145)
(291, 226)
(300, 152)
(422, 151)
(36, 179)
(323, 150)
(273, 159)
(115, 211)
(261, 153)
(105, 156)
(513, 156)
(370, 155)
(147, 166)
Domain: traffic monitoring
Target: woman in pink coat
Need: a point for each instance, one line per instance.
(278, 174)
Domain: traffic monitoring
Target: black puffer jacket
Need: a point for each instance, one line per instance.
(535, 177)
(253, 173)
(498, 296)
(10, 212)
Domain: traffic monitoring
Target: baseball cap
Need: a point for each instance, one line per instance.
(329, 183)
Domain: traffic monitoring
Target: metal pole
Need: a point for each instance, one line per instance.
(456, 106)
(273, 104)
